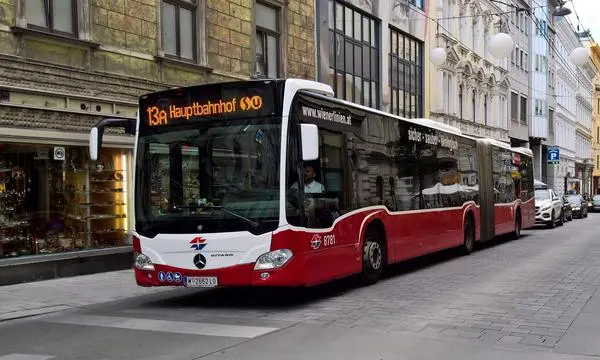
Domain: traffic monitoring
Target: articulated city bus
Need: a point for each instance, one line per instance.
(277, 183)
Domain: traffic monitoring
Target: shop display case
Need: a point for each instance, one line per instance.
(97, 202)
(14, 235)
(50, 205)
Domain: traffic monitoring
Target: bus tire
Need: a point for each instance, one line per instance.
(469, 235)
(373, 255)
(517, 233)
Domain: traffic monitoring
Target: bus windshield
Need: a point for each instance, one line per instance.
(214, 176)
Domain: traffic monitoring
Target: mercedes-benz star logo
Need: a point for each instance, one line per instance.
(200, 261)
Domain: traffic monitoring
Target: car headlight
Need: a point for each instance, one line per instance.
(273, 259)
(143, 262)
(576, 208)
(547, 207)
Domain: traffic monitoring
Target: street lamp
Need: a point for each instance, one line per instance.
(501, 45)
(437, 56)
(561, 11)
(580, 56)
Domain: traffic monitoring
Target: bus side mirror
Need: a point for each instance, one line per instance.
(97, 131)
(95, 142)
(309, 134)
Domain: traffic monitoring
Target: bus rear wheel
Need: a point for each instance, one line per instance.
(469, 241)
(372, 256)
(517, 233)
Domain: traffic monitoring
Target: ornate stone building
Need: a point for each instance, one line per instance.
(470, 90)
(66, 64)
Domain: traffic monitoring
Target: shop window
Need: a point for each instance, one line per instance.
(54, 200)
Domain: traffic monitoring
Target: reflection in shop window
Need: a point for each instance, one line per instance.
(52, 205)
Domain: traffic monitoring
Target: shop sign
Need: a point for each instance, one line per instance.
(59, 153)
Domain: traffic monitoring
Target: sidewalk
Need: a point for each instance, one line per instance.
(42, 297)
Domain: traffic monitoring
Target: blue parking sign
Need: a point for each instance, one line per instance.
(553, 155)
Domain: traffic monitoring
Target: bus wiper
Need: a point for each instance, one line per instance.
(254, 224)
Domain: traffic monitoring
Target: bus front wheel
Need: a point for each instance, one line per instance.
(372, 256)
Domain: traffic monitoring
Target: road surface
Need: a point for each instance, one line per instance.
(534, 298)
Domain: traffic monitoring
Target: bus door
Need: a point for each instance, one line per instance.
(327, 196)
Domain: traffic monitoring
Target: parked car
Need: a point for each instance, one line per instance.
(595, 203)
(548, 208)
(579, 206)
(567, 210)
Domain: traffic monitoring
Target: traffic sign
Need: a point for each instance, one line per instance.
(553, 155)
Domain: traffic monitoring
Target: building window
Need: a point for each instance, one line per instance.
(267, 41)
(460, 100)
(523, 110)
(406, 71)
(475, 34)
(473, 105)
(522, 62)
(354, 55)
(178, 21)
(57, 16)
(503, 109)
(485, 109)
(514, 107)
(417, 3)
(486, 36)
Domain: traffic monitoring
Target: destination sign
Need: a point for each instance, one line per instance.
(180, 106)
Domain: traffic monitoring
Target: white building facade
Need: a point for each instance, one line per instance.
(573, 115)
(584, 163)
(519, 70)
(539, 126)
(471, 89)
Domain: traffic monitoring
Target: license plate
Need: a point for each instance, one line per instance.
(201, 281)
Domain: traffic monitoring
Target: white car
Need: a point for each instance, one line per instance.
(548, 208)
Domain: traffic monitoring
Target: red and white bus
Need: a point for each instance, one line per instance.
(277, 183)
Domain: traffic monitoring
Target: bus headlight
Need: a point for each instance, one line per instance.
(143, 262)
(273, 260)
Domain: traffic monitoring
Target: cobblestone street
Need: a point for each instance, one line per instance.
(527, 294)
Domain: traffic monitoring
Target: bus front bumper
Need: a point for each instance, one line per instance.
(289, 275)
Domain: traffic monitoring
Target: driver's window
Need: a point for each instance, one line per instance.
(324, 183)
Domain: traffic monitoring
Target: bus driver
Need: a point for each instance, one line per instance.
(311, 186)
